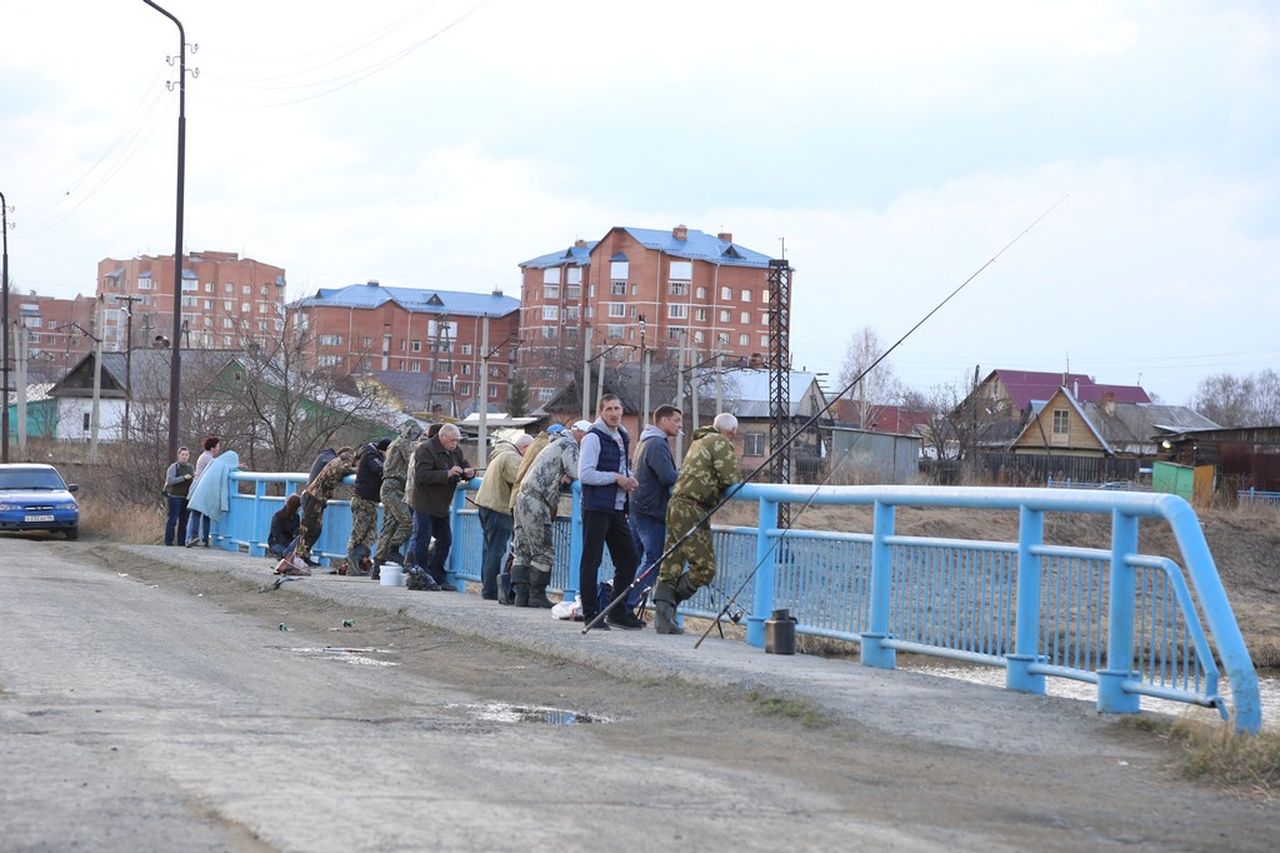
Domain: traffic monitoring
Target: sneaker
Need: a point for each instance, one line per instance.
(625, 620)
(190, 542)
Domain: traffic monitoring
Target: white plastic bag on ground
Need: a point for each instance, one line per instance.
(567, 610)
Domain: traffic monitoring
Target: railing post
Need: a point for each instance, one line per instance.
(256, 548)
(452, 569)
(575, 542)
(1018, 675)
(766, 570)
(1112, 697)
(874, 653)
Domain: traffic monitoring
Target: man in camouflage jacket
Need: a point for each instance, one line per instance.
(318, 493)
(532, 548)
(709, 468)
(397, 520)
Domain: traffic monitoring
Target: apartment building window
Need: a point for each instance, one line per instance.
(145, 283)
(208, 287)
(724, 315)
(330, 360)
(701, 293)
(571, 312)
(416, 367)
(617, 309)
(744, 339)
(764, 318)
(764, 342)
(365, 343)
(549, 333)
(493, 370)
(587, 312)
(226, 340)
(753, 444)
(681, 271)
(263, 308)
(635, 288)
(466, 349)
(466, 369)
(208, 321)
(245, 308)
(442, 329)
(726, 293)
(208, 305)
(573, 291)
(614, 331)
(246, 290)
(678, 311)
(700, 314)
(551, 275)
(764, 296)
(619, 269)
(190, 302)
(331, 340)
(617, 288)
(678, 288)
(1061, 422)
(744, 318)
(550, 312)
(226, 305)
(551, 291)
(746, 295)
(573, 275)
(493, 392)
(465, 389)
(227, 324)
(262, 291)
(402, 346)
(677, 333)
(279, 325)
(591, 291)
(262, 325)
(633, 311)
(416, 346)
(228, 288)
(188, 285)
(722, 338)
(35, 337)
(699, 336)
(544, 394)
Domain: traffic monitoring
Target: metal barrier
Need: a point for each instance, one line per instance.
(1125, 621)
(1257, 496)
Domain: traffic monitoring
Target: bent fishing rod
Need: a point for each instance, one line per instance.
(768, 460)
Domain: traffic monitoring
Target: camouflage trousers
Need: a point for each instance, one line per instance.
(309, 526)
(531, 543)
(364, 529)
(682, 516)
(397, 520)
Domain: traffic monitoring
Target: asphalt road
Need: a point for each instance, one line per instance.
(145, 707)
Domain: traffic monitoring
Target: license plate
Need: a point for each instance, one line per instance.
(38, 518)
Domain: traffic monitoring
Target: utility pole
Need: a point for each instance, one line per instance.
(645, 367)
(599, 382)
(23, 342)
(779, 279)
(97, 381)
(719, 383)
(679, 400)
(4, 276)
(175, 362)
(482, 449)
(128, 360)
(586, 370)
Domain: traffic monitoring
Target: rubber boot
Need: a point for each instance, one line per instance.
(520, 584)
(538, 589)
(684, 590)
(664, 609)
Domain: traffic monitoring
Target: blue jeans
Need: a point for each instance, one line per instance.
(279, 550)
(176, 524)
(650, 534)
(432, 526)
(497, 528)
(194, 524)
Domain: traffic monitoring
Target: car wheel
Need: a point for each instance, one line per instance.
(72, 533)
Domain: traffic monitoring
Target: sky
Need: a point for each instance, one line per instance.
(896, 147)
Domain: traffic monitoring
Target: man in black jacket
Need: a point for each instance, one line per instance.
(655, 471)
(364, 507)
(438, 467)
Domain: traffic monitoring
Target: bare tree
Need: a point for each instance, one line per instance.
(878, 388)
(1240, 401)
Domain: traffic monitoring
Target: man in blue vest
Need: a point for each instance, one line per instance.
(607, 484)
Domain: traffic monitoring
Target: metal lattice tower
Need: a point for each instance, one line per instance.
(780, 378)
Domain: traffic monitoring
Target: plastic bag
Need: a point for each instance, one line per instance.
(567, 610)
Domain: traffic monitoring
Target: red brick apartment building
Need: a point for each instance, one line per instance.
(227, 301)
(682, 287)
(363, 328)
(57, 332)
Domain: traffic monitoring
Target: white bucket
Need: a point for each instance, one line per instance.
(391, 574)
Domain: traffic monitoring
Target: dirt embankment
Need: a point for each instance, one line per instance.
(1244, 541)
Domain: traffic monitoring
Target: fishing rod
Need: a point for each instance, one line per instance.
(768, 460)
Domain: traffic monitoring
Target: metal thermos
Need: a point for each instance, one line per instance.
(780, 633)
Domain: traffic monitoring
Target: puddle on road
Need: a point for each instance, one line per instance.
(355, 657)
(502, 712)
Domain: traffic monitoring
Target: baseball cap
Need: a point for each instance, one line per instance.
(555, 428)
(582, 426)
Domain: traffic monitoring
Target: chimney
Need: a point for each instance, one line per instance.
(1075, 389)
(680, 232)
(1109, 402)
(579, 244)
(497, 291)
(373, 282)
(725, 236)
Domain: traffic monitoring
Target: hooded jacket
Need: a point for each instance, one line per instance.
(709, 468)
(369, 473)
(656, 472)
(499, 477)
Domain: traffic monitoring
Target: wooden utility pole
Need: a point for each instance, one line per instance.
(128, 360)
(97, 381)
(482, 448)
(586, 372)
(23, 341)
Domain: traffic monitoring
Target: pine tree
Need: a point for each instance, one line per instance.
(518, 399)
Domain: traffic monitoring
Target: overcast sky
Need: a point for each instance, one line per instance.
(896, 147)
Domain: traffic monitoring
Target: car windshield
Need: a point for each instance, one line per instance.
(30, 478)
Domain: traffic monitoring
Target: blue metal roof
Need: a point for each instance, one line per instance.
(699, 246)
(573, 255)
(450, 302)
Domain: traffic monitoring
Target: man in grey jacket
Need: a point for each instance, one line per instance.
(655, 471)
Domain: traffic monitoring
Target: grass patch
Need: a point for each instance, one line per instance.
(793, 709)
(1220, 754)
(127, 523)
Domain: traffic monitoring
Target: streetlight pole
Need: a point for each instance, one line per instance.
(175, 362)
(4, 418)
(128, 359)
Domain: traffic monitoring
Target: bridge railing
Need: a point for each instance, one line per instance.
(1131, 623)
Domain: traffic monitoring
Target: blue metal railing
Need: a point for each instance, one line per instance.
(1257, 496)
(1128, 622)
